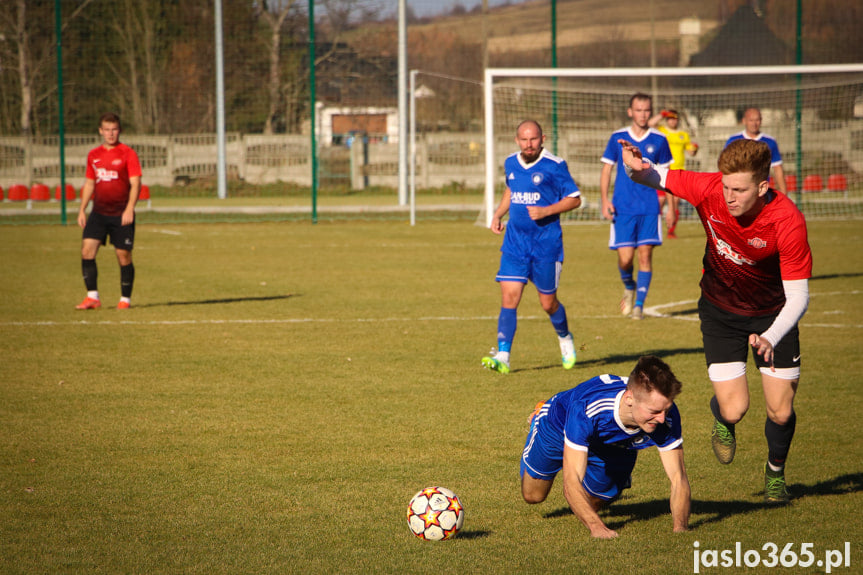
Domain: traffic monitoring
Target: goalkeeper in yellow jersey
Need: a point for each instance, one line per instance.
(680, 144)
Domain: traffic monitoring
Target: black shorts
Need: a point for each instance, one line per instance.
(99, 227)
(726, 337)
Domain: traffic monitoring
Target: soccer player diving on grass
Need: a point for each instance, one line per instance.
(593, 433)
(754, 290)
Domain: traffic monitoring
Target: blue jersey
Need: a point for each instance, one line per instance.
(542, 183)
(629, 197)
(775, 156)
(586, 417)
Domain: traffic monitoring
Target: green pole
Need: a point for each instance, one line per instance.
(554, 130)
(59, 31)
(314, 142)
(798, 108)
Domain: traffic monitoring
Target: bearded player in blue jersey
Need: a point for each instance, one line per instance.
(752, 131)
(634, 209)
(539, 188)
(593, 432)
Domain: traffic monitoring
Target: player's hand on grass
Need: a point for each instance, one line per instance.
(762, 347)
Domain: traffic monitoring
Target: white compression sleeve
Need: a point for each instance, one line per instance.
(796, 302)
(652, 176)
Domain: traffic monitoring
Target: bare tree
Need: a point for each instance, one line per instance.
(275, 13)
(136, 25)
(26, 38)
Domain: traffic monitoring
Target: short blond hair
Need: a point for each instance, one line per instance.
(746, 156)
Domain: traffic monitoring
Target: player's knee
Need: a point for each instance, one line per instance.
(550, 306)
(534, 491)
(533, 498)
(780, 416)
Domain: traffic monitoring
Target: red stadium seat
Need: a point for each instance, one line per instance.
(1, 193)
(40, 193)
(791, 183)
(18, 193)
(813, 183)
(145, 193)
(837, 183)
(70, 192)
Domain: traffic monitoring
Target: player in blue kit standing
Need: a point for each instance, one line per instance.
(593, 433)
(539, 188)
(752, 131)
(634, 209)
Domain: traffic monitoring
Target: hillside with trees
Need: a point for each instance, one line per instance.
(153, 61)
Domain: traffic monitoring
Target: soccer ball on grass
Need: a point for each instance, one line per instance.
(435, 513)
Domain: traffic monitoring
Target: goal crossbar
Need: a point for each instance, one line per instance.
(602, 73)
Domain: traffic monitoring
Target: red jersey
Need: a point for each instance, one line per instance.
(111, 169)
(744, 266)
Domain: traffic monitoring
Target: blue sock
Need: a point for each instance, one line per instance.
(507, 322)
(558, 320)
(626, 278)
(643, 285)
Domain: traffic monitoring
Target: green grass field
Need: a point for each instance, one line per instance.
(279, 391)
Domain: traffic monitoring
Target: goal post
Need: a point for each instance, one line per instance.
(814, 112)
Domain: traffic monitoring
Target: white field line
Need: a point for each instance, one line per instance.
(652, 311)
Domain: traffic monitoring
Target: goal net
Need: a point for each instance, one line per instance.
(814, 112)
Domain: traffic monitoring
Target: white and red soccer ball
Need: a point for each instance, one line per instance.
(435, 514)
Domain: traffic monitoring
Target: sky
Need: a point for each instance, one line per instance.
(424, 8)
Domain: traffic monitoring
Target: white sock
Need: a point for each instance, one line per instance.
(126, 299)
(93, 294)
(502, 356)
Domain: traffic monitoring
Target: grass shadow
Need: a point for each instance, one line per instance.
(614, 359)
(835, 276)
(473, 534)
(216, 301)
(619, 514)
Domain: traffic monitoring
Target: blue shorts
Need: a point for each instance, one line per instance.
(544, 275)
(634, 230)
(542, 458)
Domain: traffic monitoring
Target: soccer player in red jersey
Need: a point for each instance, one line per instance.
(113, 182)
(755, 289)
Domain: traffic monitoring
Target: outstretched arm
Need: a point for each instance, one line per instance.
(640, 170)
(672, 462)
(584, 507)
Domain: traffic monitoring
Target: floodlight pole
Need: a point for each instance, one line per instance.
(59, 31)
(403, 111)
(555, 132)
(221, 170)
(413, 147)
(798, 106)
(313, 143)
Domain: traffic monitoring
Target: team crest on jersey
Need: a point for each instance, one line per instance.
(651, 149)
(117, 162)
(757, 243)
(536, 179)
